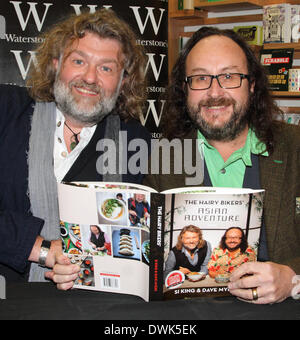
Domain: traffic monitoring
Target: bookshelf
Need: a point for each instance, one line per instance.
(226, 5)
(179, 19)
(282, 94)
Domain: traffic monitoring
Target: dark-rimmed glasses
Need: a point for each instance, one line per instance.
(225, 80)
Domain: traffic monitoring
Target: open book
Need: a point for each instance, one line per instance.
(129, 239)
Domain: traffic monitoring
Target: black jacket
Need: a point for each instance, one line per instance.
(18, 228)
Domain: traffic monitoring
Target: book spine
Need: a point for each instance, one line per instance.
(156, 247)
(188, 4)
(288, 24)
(295, 22)
(180, 5)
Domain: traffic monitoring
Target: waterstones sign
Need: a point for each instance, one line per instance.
(22, 22)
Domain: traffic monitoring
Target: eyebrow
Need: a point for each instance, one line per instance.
(224, 69)
(103, 60)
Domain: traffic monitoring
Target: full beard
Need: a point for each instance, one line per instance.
(85, 114)
(234, 248)
(230, 129)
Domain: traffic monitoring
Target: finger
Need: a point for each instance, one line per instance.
(65, 279)
(60, 258)
(244, 282)
(65, 286)
(248, 268)
(49, 275)
(70, 269)
(246, 295)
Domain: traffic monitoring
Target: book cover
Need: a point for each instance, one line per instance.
(121, 236)
(277, 23)
(252, 34)
(289, 116)
(277, 63)
(208, 234)
(294, 80)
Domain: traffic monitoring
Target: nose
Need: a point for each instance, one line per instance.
(90, 74)
(215, 90)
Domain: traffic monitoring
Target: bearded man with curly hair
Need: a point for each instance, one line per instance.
(88, 84)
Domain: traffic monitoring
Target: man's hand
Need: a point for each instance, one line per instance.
(64, 273)
(56, 248)
(273, 282)
(184, 270)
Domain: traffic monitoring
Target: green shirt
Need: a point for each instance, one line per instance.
(230, 173)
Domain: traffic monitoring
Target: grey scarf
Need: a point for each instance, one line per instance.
(42, 184)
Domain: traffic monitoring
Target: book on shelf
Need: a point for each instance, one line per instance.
(182, 42)
(129, 239)
(277, 63)
(295, 22)
(188, 4)
(289, 116)
(253, 34)
(294, 80)
(277, 23)
(180, 5)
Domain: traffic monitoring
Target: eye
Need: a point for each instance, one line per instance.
(201, 78)
(227, 76)
(106, 69)
(78, 62)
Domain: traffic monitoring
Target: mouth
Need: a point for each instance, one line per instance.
(86, 92)
(216, 105)
(215, 108)
(215, 113)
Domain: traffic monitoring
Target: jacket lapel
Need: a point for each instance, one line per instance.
(272, 169)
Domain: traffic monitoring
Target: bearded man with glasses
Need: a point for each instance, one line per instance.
(231, 253)
(218, 96)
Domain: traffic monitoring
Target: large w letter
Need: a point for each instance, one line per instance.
(152, 108)
(39, 23)
(22, 69)
(150, 15)
(151, 62)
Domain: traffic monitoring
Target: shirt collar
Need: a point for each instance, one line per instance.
(252, 146)
(185, 251)
(85, 134)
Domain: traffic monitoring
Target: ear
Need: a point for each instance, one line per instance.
(252, 86)
(55, 62)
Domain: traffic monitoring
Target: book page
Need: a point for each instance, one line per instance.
(105, 228)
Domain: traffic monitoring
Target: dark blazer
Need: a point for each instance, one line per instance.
(280, 177)
(18, 228)
(183, 261)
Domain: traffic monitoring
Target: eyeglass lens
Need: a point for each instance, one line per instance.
(202, 82)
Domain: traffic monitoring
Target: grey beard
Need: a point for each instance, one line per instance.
(68, 106)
